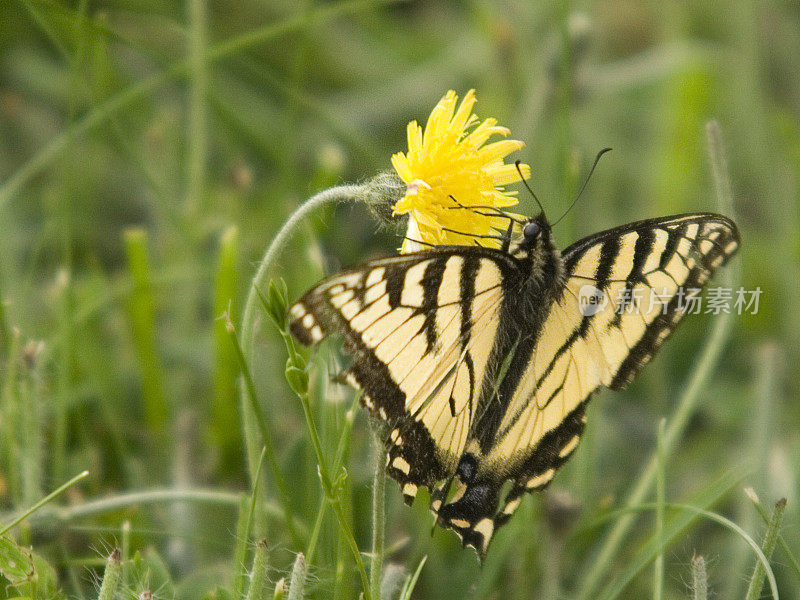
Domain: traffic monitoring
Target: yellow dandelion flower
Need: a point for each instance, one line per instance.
(449, 160)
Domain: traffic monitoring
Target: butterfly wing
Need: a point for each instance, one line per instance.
(537, 420)
(421, 329)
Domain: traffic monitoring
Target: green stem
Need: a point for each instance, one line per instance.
(9, 419)
(64, 367)
(658, 565)
(121, 501)
(250, 401)
(44, 501)
(351, 542)
(332, 488)
(324, 474)
(317, 529)
(125, 550)
(247, 511)
(250, 320)
(332, 492)
(197, 133)
(378, 518)
(5, 332)
(323, 501)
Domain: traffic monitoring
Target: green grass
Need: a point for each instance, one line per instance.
(156, 161)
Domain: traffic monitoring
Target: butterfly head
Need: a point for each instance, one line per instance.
(535, 235)
(537, 253)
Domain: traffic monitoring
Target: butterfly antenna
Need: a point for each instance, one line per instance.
(583, 187)
(485, 236)
(527, 187)
(496, 212)
(420, 242)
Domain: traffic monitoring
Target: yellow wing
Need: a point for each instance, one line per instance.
(594, 336)
(421, 329)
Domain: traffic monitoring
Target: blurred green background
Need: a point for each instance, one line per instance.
(149, 152)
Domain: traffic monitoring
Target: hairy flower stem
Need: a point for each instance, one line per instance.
(251, 321)
(699, 579)
(111, 578)
(770, 539)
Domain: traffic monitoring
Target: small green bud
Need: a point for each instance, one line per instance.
(280, 590)
(297, 378)
(297, 360)
(297, 582)
(277, 303)
(112, 575)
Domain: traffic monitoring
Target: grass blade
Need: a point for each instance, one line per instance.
(411, 582)
(44, 501)
(224, 417)
(142, 315)
(770, 539)
(661, 500)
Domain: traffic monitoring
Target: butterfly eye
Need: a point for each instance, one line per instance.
(531, 230)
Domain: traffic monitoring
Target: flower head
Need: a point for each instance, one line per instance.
(448, 165)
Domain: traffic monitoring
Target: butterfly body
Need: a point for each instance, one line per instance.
(481, 361)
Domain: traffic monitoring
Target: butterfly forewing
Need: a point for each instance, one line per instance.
(421, 329)
(658, 266)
